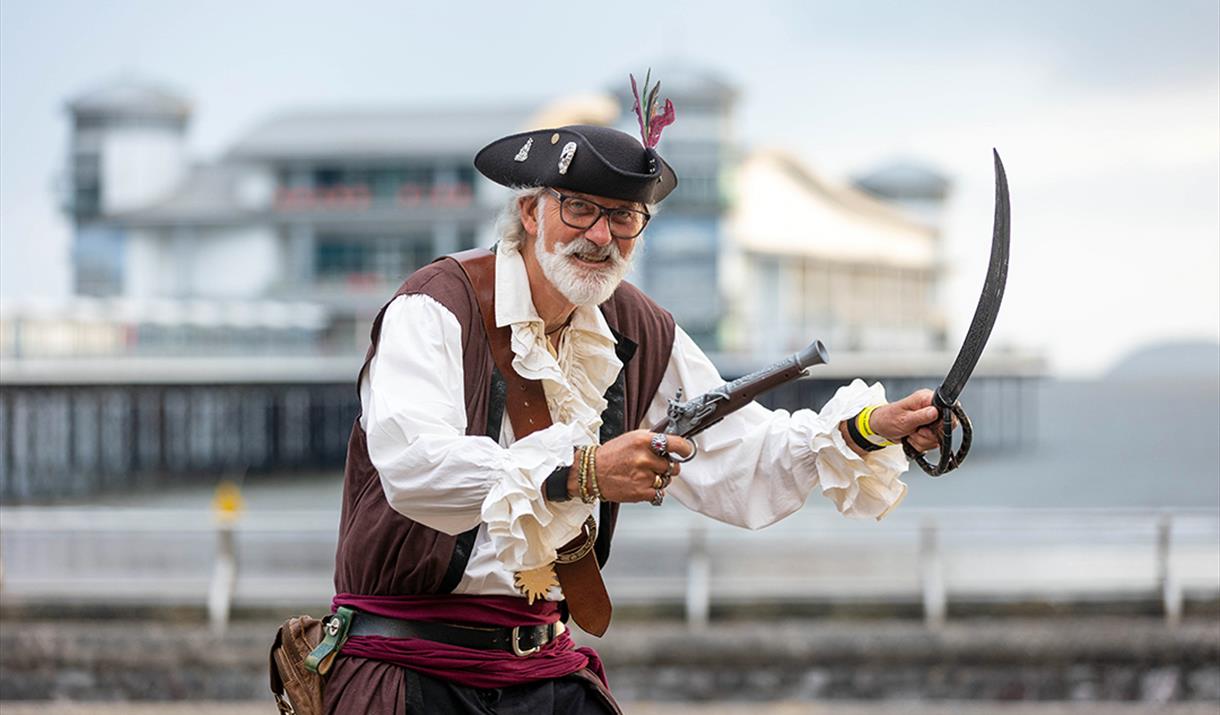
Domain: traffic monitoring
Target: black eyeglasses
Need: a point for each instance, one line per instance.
(625, 224)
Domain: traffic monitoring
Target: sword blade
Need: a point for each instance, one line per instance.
(989, 301)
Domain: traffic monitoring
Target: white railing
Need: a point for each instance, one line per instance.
(266, 558)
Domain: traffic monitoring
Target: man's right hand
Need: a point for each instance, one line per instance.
(627, 468)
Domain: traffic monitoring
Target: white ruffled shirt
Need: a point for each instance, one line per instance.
(754, 468)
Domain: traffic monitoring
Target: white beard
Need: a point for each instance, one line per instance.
(583, 284)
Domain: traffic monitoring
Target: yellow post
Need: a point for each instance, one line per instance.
(227, 505)
(227, 502)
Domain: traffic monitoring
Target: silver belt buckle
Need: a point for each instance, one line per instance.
(516, 636)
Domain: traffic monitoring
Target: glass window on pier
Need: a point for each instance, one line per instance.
(384, 185)
(378, 259)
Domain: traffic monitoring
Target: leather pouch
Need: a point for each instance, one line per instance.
(297, 689)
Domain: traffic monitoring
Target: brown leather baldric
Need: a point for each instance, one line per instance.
(581, 580)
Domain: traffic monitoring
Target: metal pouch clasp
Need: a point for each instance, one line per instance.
(334, 634)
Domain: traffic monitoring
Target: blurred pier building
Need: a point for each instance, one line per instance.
(754, 253)
(237, 293)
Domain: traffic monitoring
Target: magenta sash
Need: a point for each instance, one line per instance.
(469, 666)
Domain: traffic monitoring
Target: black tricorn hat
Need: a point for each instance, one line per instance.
(589, 159)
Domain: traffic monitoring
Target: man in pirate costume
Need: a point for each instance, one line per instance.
(503, 400)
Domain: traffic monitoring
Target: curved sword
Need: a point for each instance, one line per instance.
(985, 314)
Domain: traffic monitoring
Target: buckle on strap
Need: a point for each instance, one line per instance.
(574, 554)
(553, 631)
(516, 638)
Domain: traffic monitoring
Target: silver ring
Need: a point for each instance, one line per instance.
(668, 476)
(660, 444)
(659, 497)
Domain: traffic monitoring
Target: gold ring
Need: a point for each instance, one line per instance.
(658, 482)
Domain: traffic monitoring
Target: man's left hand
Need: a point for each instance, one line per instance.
(913, 417)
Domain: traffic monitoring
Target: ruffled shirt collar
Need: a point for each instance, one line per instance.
(576, 381)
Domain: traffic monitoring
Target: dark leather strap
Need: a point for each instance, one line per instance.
(581, 581)
(583, 589)
(513, 640)
(526, 402)
(613, 419)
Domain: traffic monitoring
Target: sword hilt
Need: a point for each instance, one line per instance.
(948, 460)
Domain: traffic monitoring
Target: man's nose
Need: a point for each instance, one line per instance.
(599, 232)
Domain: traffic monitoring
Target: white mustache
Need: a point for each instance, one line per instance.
(585, 247)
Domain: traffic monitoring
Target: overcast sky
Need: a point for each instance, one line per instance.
(1107, 115)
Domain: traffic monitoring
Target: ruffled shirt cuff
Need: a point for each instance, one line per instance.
(862, 487)
(525, 529)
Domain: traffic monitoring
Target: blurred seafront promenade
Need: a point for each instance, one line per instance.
(1041, 574)
(790, 666)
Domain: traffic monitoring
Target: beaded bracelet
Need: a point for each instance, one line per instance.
(597, 492)
(583, 480)
(582, 475)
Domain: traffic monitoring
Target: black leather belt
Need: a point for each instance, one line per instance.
(520, 640)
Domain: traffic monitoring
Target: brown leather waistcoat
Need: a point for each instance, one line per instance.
(383, 553)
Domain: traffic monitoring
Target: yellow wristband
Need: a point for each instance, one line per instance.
(862, 420)
(866, 428)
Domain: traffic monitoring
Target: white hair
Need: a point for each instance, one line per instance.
(509, 227)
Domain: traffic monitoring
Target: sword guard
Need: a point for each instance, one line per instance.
(948, 460)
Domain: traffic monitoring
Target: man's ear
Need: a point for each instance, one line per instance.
(529, 218)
